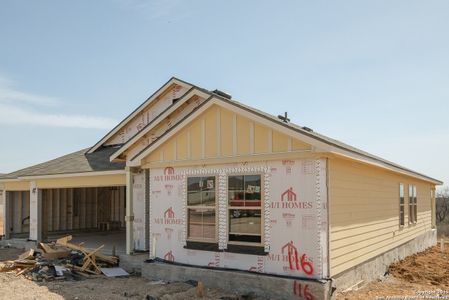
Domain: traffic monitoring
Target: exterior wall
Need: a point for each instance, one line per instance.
(140, 207)
(376, 267)
(3, 210)
(299, 221)
(147, 115)
(219, 133)
(364, 212)
(16, 185)
(81, 181)
(266, 286)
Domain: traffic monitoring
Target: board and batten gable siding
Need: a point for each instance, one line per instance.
(219, 134)
(364, 212)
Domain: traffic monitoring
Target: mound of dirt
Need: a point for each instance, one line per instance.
(428, 267)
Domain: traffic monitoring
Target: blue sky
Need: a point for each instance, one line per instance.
(374, 74)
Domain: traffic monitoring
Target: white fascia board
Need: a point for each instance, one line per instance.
(81, 174)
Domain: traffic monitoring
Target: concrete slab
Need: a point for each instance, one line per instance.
(133, 263)
(268, 286)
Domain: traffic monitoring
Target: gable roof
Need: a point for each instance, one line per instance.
(190, 93)
(134, 113)
(76, 162)
(331, 145)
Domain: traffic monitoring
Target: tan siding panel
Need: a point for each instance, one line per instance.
(226, 132)
(243, 136)
(210, 117)
(181, 145)
(196, 139)
(364, 212)
(299, 145)
(280, 142)
(261, 139)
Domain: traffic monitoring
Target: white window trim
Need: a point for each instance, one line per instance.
(223, 200)
(261, 208)
(402, 188)
(215, 207)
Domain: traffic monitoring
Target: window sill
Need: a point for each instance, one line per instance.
(203, 246)
(244, 249)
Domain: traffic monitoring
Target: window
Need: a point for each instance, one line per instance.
(245, 212)
(401, 205)
(201, 208)
(412, 204)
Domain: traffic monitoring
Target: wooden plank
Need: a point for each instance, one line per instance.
(83, 208)
(50, 210)
(56, 211)
(65, 241)
(63, 209)
(96, 207)
(122, 205)
(27, 255)
(70, 209)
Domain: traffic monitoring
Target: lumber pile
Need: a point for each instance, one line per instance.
(58, 261)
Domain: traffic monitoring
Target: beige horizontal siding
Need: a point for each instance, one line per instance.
(364, 212)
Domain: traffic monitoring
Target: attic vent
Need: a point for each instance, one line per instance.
(222, 94)
(307, 129)
(284, 118)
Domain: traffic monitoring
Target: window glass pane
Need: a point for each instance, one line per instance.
(209, 224)
(195, 229)
(208, 183)
(236, 198)
(208, 198)
(193, 183)
(252, 187)
(243, 224)
(201, 223)
(194, 198)
(235, 183)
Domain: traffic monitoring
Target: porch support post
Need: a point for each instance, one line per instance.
(129, 211)
(35, 212)
(5, 217)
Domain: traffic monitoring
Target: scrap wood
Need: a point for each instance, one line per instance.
(23, 262)
(27, 255)
(64, 241)
(7, 266)
(80, 269)
(25, 270)
(89, 260)
(52, 252)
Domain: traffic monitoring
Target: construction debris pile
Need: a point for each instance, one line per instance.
(61, 260)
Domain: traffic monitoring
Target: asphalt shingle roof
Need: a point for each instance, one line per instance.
(76, 162)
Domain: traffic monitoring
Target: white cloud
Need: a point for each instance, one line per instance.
(19, 107)
(16, 116)
(10, 94)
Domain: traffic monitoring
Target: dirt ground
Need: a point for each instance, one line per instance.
(421, 276)
(133, 287)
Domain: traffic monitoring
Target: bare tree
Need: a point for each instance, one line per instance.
(442, 204)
